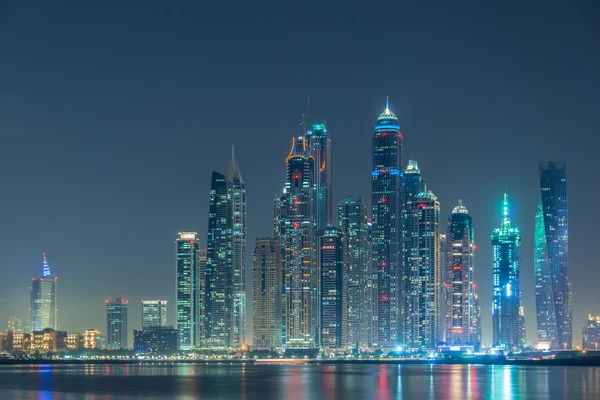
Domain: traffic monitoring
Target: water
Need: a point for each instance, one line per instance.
(294, 382)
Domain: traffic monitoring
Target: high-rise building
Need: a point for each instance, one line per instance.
(318, 143)
(267, 294)
(459, 288)
(238, 211)
(154, 313)
(386, 191)
(116, 323)
(552, 287)
(476, 319)
(422, 277)
(353, 222)
(201, 290)
(591, 333)
(43, 299)
(15, 324)
(188, 297)
(299, 240)
(333, 289)
(507, 307)
(219, 296)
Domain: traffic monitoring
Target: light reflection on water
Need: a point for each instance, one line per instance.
(296, 382)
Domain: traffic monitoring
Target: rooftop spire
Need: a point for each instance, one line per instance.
(387, 103)
(233, 171)
(505, 213)
(45, 266)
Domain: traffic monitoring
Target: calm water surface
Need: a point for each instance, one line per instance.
(309, 381)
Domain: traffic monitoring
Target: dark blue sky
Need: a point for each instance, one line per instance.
(113, 115)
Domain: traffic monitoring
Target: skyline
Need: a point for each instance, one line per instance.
(107, 196)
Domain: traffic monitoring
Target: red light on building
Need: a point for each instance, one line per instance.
(384, 297)
(384, 199)
(457, 268)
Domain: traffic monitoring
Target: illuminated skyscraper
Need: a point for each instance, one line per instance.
(461, 325)
(15, 324)
(299, 238)
(318, 143)
(591, 333)
(188, 296)
(116, 324)
(353, 223)
(422, 277)
(552, 287)
(267, 294)
(201, 290)
(154, 313)
(333, 289)
(386, 191)
(219, 296)
(238, 207)
(43, 299)
(507, 307)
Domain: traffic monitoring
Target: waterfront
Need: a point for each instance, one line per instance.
(307, 381)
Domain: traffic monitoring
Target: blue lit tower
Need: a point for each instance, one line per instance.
(238, 207)
(43, 299)
(219, 287)
(386, 195)
(299, 240)
(552, 287)
(318, 143)
(188, 294)
(507, 307)
(333, 289)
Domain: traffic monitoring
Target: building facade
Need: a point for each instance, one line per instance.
(188, 297)
(386, 196)
(44, 307)
(267, 281)
(116, 323)
(552, 286)
(591, 333)
(154, 313)
(318, 142)
(92, 339)
(334, 295)
(156, 340)
(507, 306)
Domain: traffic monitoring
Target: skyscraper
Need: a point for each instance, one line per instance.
(186, 250)
(333, 289)
(300, 261)
(353, 223)
(590, 338)
(507, 308)
(552, 287)
(43, 299)
(154, 313)
(422, 277)
(116, 323)
(318, 143)
(460, 322)
(386, 191)
(219, 295)
(201, 290)
(238, 206)
(266, 293)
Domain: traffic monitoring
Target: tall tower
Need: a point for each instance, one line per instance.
(200, 297)
(238, 206)
(386, 195)
(116, 323)
(507, 311)
(461, 327)
(154, 313)
(188, 296)
(300, 266)
(552, 287)
(43, 299)
(319, 147)
(266, 293)
(219, 294)
(353, 223)
(333, 289)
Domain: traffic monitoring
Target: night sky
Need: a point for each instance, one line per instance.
(113, 115)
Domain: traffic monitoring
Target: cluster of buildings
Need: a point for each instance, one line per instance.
(354, 276)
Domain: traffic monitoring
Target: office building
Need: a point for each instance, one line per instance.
(154, 313)
(591, 333)
(15, 324)
(188, 297)
(333, 289)
(116, 323)
(156, 340)
(318, 142)
(43, 299)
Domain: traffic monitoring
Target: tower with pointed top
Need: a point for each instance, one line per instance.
(507, 307)
(43, 299)
(318, 143)
(386, 200)
(238, 208)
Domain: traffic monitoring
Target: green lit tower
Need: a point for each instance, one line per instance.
(507, 307)
(188, 296)
(318, 143)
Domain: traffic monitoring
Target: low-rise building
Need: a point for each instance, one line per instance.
(158, 339)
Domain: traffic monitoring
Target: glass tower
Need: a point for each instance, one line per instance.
(386, 195)
(552, 287)
(318, 143)
(186, 247)
(507, 307)
(116, 323)
(333, 289)
(43, 299)
(154, 313)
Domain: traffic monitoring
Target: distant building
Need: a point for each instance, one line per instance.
(15, 324)
(18, 342)
(43, 299)
(116, 323)
(92, 339)
(154, 313)
(333, 289)
(200, 298)
(157, 339)
(591, 333)
(73, 341)
(318, 144)
(188, 297)
(267, 294)
(507, 306)
(48, 340)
